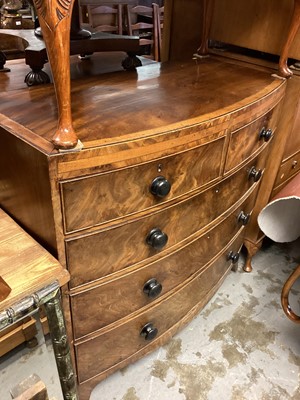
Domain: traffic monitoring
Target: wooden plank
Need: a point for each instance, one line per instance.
(24, 264)
(17, 334)
(32, 388)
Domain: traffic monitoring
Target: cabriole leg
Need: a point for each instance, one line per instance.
(55, 19)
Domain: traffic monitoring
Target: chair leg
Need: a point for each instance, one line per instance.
(294, 27)
(207, 14)
(285, 296)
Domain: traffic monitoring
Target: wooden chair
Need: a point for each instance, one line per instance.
(102, 18)
(147, 31)
(160, 26)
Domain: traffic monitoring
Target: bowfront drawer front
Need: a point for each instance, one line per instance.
(289, 168)
(108, 251)
(122, 342)
(108, 302)
(100, 198)
(248, 140)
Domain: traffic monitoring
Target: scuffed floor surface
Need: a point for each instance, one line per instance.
(241, 347)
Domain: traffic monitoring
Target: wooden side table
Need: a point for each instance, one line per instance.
(31, 277)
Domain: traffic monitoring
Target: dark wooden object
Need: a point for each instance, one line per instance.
(142, 185)
(146, 30)
(55, 22)
(285, 296)
(275, 30)
(284, 70)
(207, 13)
(95, 14)
(34, 50)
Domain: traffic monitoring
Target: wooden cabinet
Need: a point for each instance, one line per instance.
(254, 33)
(150, 214)
(290, 163)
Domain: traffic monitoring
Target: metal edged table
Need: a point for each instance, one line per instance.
(31, 277)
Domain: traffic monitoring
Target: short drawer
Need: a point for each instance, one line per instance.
(246, 141)
(102, 253)
(100, 198)
(117, 345)
(289, 168)
(108, 302)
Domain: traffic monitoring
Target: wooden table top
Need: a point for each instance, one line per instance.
(24, 265)
(109, 104)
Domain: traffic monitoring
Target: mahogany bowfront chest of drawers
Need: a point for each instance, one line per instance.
(149, 216)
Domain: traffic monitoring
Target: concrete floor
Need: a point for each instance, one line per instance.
(240, 347)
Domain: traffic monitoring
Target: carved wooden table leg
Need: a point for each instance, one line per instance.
(285, 296)
(55, 19)
(207, 13)
(294, 26)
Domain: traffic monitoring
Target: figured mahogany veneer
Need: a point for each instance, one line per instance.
(169, 269)
(112, 195)
(94, 207)
(249, 139)
(179, 306)
(101, 251)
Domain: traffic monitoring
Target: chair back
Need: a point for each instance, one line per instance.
(159, 11)
(102, 18)
(142, 21)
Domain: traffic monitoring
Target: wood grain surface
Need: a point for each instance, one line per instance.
(97, 199)
(111, 250)
(130, 95)
(163, 315)
(24, 264)
(184, 121)
(120, 297)
(255, 24)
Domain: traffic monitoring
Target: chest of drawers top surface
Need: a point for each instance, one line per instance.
(125, 106)
(203, 128)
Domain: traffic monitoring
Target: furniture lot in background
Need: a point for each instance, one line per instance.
(274, 31)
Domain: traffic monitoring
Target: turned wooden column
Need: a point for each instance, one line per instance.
(207, 14)
(294, 27)
(55, 19)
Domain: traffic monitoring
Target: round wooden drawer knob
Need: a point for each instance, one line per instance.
(157, 239)
(152, 288)
(265, 134)
(255, 174)
(234, 257)
(149, 332)
(160, 186)
(243, 218)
